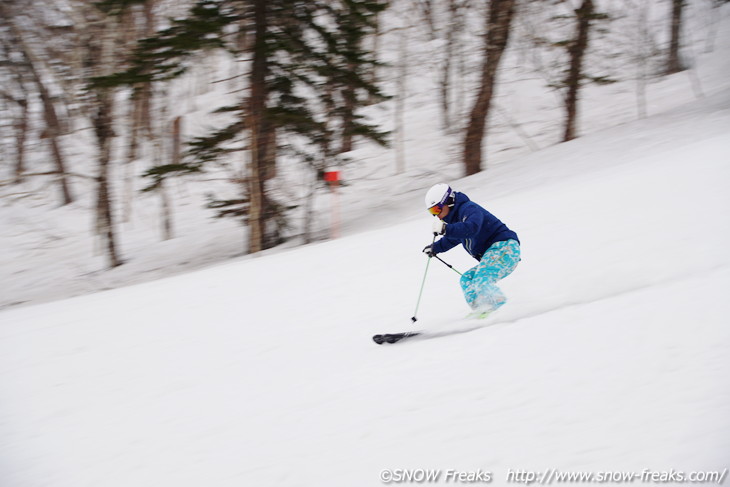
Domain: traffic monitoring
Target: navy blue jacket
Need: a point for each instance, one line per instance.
(473, 227)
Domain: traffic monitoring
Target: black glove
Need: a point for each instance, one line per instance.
(428, 250)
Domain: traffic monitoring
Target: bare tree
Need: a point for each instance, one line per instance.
(175, 153)
(21, 134)
(639, 46)
(52, 131)
(713, 18)
(426, 9)
(16, 105)
(14, 94)
(400, 102)
(452, 52)
(576, 49)
(98, 37)
(498, 26)
(674, 64)
(32, 65)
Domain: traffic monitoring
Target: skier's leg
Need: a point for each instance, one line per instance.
(499, 261)
(466, 279)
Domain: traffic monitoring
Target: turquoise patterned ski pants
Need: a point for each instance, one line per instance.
(478, 283)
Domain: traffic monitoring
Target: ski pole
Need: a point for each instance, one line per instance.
(448, 265)
(423, 282)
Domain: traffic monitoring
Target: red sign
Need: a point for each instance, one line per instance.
(332, 176)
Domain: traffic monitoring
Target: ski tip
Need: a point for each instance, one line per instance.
(394, 337)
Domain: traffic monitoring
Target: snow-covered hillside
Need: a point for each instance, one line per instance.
(48, 253)
(610, 356)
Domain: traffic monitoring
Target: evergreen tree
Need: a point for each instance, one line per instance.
(307, 79)
(349, 70)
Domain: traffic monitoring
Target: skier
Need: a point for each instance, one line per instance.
(484, 237)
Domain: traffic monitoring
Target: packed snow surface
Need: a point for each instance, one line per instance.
(610, 355)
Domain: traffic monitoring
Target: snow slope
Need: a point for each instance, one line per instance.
(610, 356)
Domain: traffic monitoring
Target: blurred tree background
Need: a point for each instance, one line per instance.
(302, 73)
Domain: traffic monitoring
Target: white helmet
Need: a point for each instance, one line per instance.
(439, 194)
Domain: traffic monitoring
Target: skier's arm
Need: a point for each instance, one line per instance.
(467, 228)
(444, 244)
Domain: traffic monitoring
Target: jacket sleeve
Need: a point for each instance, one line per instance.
(469, 226)
(444, 244)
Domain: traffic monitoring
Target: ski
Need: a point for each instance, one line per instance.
(468, 326)
(473, 322)
(394, 337)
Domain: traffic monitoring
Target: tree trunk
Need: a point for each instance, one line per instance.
(376, 36)
(258, 131)
(498, 25)
(577, 51)
(426, 7)
(101, 56)
(21, 134)
(309, 211)
(455, 25)
(52, 132)
(139, 116)
(175, 158)
(53, 128)
(400, 103)
(66, 197)
(445, 85)
(642, 59)
(167, 229)
(145, 91)
(348, 118)
(674, 65)
(104, 219)
(132, 152)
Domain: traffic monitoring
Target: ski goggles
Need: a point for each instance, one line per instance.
(436, 209)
